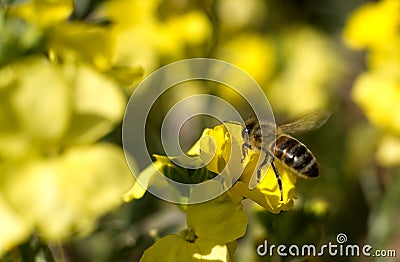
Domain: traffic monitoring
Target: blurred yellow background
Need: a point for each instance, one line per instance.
(67, 69)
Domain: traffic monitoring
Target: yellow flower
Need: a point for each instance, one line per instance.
(222, 219)
(138, 189)
(388, 152)
(14, 228)
(75, 105)
(379, 97)
(43, 12)
(142, 38)
(215, 148)
(374, 27)
(385, 59)
(35, 112)
(65, 195)
(54, 179)
(252, 53)
(236, 15)
(175, 248)
(316, 207)
(373, 24)
(213, 227)
(228, 148)
(310, 67)
(98, 104)
(192, 28)
(70, 41)
(220, 149)
(79, 41)
(267, 193)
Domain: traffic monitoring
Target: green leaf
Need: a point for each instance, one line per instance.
(183, 175)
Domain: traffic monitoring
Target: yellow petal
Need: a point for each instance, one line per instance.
(14, 228)
(169, 248)
(34, 192)
(15, 146)
(373, 24)
(41, 100)
(43, 12)
(308, 58)
(219, 219)
(126, 76)
(222, 144)
(386, 58)
(93, 180)
(142, 38)
(193, 27)
(139, 188)
(66, 195)
(98, 104)
(211, 251)
(227, 145)
(267, 193)
(91, 43)
(388, 152)
(252, 53)
(379, 97)
(174, 248)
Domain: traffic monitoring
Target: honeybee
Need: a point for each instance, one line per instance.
(281, 146)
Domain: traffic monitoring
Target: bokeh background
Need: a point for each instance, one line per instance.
(306, 55)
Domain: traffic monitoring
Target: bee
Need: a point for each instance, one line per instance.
(278, 144)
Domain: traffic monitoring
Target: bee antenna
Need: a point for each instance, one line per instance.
(252, 116)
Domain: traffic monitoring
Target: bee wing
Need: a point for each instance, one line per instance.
(304, 124)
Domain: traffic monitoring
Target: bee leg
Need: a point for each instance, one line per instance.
(260, 167)
(278, 177)
(245, 146)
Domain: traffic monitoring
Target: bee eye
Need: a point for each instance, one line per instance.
(245, 133)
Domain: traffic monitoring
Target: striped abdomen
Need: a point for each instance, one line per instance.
(296, 156)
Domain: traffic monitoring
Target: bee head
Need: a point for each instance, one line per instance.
(249, 124)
